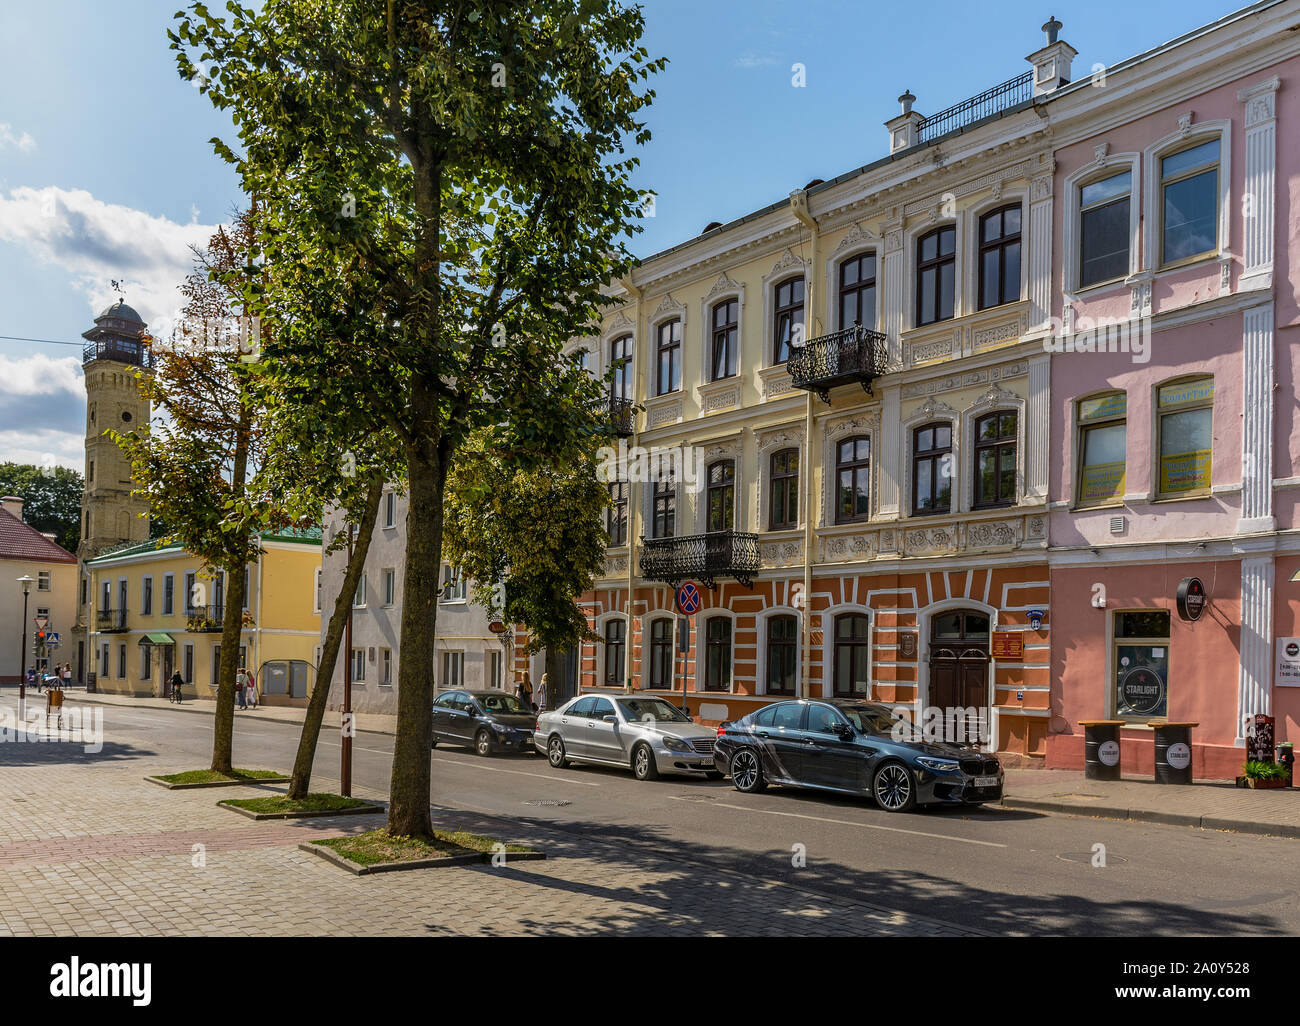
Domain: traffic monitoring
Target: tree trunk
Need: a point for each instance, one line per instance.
(232, 624)
(555, 675)
(408, 808)
(302, 764)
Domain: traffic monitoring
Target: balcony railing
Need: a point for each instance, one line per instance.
(204, 619)
(1001, 97)
(137, 354)
(622, 415)
(701, 557)
(110, 621)
(849, 355)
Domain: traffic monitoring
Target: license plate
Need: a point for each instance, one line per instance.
(986, 781)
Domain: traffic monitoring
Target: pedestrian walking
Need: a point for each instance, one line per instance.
(176, 683)
(543, 690)
(241, 681)
(250, 691)
(524, 692)
(67, 675)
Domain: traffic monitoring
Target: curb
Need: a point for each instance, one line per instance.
(251, 782)
(357, 810)
(1240, 826)
(197, 705)
(469, 859)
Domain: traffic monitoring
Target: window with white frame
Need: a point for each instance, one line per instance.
(453, 670)
(359, 596)
(1189, 203)
(390, 509)
(1102, 448)
(453, 584)
(1185, 425)
(390, 586)
(42, 580)
(668, 354)
(1104, 228)
(358, 666)
(386, 667)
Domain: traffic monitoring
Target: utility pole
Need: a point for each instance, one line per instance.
(26, 581)
(345, 774)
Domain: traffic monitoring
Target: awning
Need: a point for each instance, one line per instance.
(157, 638)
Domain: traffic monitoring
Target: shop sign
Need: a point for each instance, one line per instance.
(1190, 598)
(1288, 663)
(1108, 753)
(1142, 691)
(1178, 755)
(1259, 739)
(1007, 645)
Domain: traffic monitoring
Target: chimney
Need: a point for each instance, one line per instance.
(905, 130)
(13, 504)
(1052, 62)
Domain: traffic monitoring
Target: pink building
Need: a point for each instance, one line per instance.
(1173, 391)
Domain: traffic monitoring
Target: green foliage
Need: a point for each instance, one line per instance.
(52, 499)
(1259, 770)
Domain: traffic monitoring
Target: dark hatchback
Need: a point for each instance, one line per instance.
(853, 747)
(487, 721)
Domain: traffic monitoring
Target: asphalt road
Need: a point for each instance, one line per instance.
(1003, 871)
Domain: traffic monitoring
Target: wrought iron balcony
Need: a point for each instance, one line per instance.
(110, 621)
(849, 355)
(136, 354)
(701, 557)
(204, 619)
(1004, 96)
(622, 416)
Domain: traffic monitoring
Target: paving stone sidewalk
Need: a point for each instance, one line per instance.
(88, 848)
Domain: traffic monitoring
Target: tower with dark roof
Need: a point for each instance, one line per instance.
(115, 355)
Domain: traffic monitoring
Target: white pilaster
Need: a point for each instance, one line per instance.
(891, 320)
(1257, 421)
(891, 453)
(1261, 183)
(1040, 253)
(1038, 428)
(1254, 684)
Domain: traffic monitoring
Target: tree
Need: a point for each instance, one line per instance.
(467, 159)
(196, 463)
(51, 499)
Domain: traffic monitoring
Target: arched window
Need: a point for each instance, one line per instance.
(661, 653)
(858, 291)
(722, 496)
(853, 480)
(936, 275)
(1186, 429)
(615, 650)
(932, 469)
(852, 672)
(788, 324)
(782, 654)
(725, 339)
(620, 358)
(785, 490)
(1000, 257)
(717, 667)
(1102, 449)
(995, 459)
(668, 373)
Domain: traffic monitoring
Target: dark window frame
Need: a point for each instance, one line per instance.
(1125, 198)
(783, 509)
(855, 466)
(936, 264)
(726, 488)
(662, 653)
(670, 349)
(998, 445)
(1163, 182)
(621, 385)
(859, 287)
(718, 654)
(724, 339)
(615, 650)
(1000, 245)
(616, 516)
(853, 644)
(780, 310)
(783, 651)
(663, 520)
(934, 456)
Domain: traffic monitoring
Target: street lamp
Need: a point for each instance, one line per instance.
(26, 581)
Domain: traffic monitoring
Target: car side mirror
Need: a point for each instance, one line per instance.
(844, 731)
(610, 718)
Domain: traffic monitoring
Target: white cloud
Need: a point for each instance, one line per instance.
(44, 447)
(19, 140)
(39, 374)
(96, 241)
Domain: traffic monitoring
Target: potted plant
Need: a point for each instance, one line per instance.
(1259, 774)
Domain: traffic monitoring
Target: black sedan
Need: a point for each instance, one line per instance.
(487, 721)
(853, 747)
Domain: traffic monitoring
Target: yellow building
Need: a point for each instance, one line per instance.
(157, 609)
(49, 573)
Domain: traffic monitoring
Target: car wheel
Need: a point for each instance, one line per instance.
(555, 753)
(643, 763)
(483, 743)
(746, 773)
(894, 788)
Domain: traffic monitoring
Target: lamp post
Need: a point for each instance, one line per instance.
(26, 581)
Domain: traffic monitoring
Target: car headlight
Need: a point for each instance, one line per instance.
(938, 765)
(676, 744)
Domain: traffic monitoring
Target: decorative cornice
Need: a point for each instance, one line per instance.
(668, 307)
(857, 237)
(723, 286)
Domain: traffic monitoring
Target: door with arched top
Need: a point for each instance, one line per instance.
(959, 659)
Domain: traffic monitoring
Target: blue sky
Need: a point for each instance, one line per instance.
(106, 170)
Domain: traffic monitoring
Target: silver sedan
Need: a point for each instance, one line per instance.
(641, 732)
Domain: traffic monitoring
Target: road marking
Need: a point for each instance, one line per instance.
(849, 822)
(478, 766)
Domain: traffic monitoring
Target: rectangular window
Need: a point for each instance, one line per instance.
(191, 598)
(722, 496)
(668, 376)
(317, 598)
(146, 662)
(932, 469)
(188, 672)
(1141, 663)
(1103, 443)
(453, 669)
(999, 257)
(169, 594)
(620, 358)
(995, 460)
(1189, 191)
(788, 325)
(492, 671)
(146, 596)
(664, 521)
(121, 661)
(853, 480)
(616, 515)
(106, 596)
(358, 665)
(390, 586)
(717, 674)
(386, 667)
(1186, 412)
(858, 291)
(784, 467)
(1104, 229)
(936, 276)
(453, 584)
(390, 509)
(661, 653)
(42, 580)
(103, 662)
(216, 664)
(359, 597)
(782, 654)
(615, 648)
(724, 340)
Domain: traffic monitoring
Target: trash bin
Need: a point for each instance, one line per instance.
(1173, 752)
(90, 683)
(1101, 749)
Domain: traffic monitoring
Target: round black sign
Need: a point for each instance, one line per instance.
(1142, 690)
(1191, 598)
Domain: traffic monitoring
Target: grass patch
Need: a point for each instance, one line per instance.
(377, 846)
(208, 776)
(283, 803)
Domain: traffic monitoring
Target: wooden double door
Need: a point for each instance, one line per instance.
(959, 659)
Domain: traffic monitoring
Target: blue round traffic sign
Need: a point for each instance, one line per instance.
(688, 598)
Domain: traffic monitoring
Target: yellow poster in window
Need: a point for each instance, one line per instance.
(1101, 482)
(1185, 471)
